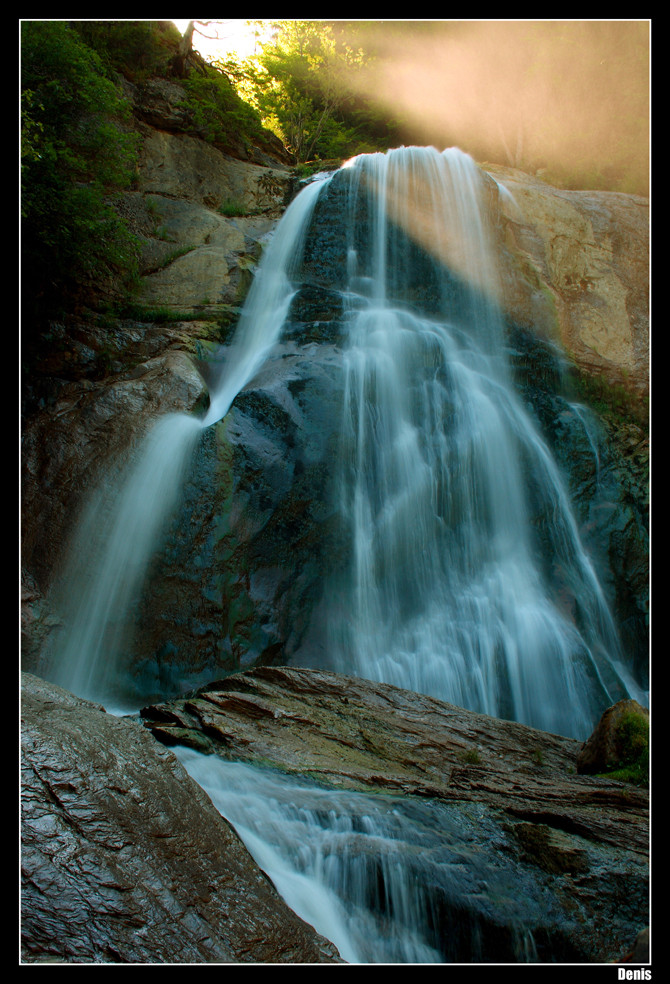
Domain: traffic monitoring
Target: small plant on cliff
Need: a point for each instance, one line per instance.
(471, 757)
(231, 208)
(611, 398)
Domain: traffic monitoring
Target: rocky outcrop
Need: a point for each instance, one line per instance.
(212, 214)
(266, 541)
(578, 271)
(569, 842)
(124, 858)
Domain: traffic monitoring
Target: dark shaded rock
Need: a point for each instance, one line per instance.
(573, 848)
(550, 849)
(85, 436)
(640, 952)
(242, 571)
(124, 858)
(162, 104)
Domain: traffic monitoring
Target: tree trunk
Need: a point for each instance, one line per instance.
(184, 51)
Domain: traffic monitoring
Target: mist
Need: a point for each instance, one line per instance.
(567, 97)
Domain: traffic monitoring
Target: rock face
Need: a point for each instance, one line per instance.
(266, 539)
(124, 858)
(570, 843)
(612, 743)
(213, 210)
(579, 272)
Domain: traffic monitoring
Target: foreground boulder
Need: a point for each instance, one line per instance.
(565, 856)
(125, 859)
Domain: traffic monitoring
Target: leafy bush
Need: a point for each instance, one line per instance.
(217, 112)
(136, 49)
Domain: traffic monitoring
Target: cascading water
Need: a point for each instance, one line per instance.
(468, 580)
(377, 875)
(444, 475)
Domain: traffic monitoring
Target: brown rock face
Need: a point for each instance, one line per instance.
(579, 272)
(124, 858)
(359, 735)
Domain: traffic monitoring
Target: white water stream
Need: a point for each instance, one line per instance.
(451, 592)
(374, 874)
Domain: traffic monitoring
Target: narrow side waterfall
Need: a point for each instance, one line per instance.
(468, 580)
(122, 522)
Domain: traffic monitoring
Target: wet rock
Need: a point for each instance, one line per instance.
(85, 436)
(124, 858)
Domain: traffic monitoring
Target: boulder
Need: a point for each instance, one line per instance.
(124, 858)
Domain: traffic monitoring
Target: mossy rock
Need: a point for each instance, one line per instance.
(619, 746)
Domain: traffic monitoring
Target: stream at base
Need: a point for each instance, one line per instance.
(386, 879)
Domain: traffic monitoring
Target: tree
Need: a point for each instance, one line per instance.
(75, 158)
(298, 82)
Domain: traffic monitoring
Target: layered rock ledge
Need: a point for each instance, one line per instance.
(125, 858)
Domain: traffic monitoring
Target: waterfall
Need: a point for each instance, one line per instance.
(121, 524)
(468, 580)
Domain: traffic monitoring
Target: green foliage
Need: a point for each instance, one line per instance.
(569, 98)
(612, 398)
(75, 157)
(471, 757)
(218, 114)
(136, 49)
(303, 84)
(231, 208)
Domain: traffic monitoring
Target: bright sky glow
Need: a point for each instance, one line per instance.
(227, 36)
